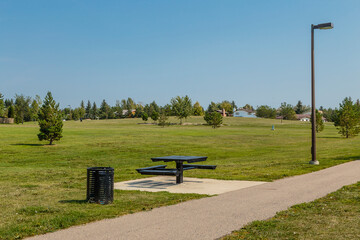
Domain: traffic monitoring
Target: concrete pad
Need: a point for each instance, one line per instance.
(190, 185)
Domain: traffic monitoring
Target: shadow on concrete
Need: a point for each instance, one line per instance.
(156, 184)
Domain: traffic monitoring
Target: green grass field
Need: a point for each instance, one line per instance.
(43, 187)
(335, 216)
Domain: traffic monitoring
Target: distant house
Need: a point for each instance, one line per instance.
(125, 112)
(245, 113)
(306, 117)
(303, 117)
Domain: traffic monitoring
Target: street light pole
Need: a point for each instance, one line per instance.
(313, 107)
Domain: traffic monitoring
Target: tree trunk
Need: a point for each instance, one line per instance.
(50, 142)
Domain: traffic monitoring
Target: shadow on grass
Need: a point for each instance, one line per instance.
(74, 201)
(337, 137)
(29, 144)
(351, 158)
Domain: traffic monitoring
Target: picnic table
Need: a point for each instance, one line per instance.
(180, 166)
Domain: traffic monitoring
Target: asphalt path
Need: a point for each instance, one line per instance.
(214, 217)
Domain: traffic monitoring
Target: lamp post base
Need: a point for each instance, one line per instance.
(314, 162)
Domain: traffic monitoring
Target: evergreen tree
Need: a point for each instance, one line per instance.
(117, 109)
(347, 121)
(82, 111)
(155, 116)
(50, 121)
(163, 120)
(9, 102)
(88, 110)
(94, 111)
(34, 110)
(299, 108)
(214, 119)
(233, 105)
(2, 106)
(104, 110)
(153, 107)
(144, 116)
(213, 107)
(22, 109)
(11, 111)
(181, 107)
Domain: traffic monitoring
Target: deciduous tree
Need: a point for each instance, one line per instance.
(265, 111)
(198, 109)
(347, 121)
(287, 111)
(181, 107)
(319, 122)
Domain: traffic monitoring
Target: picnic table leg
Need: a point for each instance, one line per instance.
(180, 168)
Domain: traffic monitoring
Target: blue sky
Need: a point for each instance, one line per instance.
(255, 52)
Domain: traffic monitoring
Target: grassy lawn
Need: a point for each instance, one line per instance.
(335, 216)
(43, 187)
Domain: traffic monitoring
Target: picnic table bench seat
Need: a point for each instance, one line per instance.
(180, 167)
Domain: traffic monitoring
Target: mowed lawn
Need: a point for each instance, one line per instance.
(43, 187)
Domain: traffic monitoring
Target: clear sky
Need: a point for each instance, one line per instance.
(255, 52)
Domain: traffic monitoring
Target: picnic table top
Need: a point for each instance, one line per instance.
(180, 159)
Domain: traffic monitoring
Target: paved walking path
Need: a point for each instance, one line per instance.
(211, 218)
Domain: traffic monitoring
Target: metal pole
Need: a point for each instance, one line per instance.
(313, 113)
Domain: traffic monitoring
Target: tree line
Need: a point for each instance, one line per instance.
(23, 108)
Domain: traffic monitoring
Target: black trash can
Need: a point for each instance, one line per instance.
(100, 185)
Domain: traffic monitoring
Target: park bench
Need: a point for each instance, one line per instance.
(180, 166)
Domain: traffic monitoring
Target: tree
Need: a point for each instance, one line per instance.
(181, 107)
(213, 119)
(34, 110)
(163, 120)
(11, 111)
(227, 106)
(155, 116)
(167, 110)
(144, 116)
(2, 106)
(347, 121)
(300, 108)
(22, 109)
(198, 109)
(104, 110)
(213, 107)
(50, 121)
(330, 114)
(248, 107)
(94, 111)
(88, 110)
(287, 111)
(233, 105)
(265, 111)
(319, 122)
(9, 102)
(82, 111)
